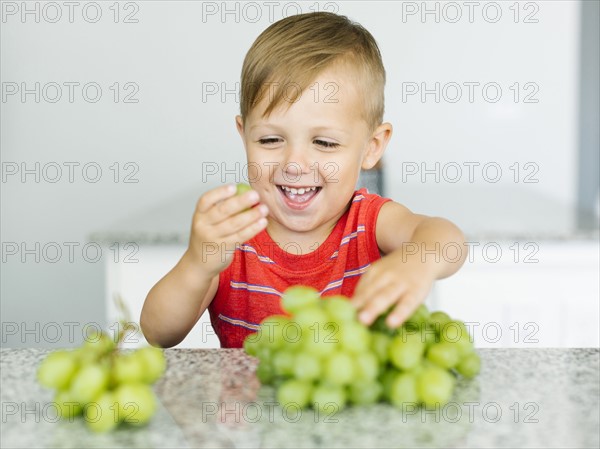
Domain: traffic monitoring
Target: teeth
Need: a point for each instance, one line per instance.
(299, 191)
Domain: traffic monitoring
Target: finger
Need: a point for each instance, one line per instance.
(403, 310)
(240, 221)
(212, 197)
(231, 206)
(364, 289)
(380, 302)
(248, 232)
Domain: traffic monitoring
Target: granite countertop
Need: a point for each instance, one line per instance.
(211, 398)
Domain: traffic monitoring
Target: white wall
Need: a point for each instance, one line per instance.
(177, 48)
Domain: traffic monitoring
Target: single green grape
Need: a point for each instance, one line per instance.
(435, 386)
(406, 350)
(403, 390)
(101, 415)
(89, 383)
(367, 366)
(154, 362)
(419, 316)
(354, 337)
(365, 392)
(339, 368)
(57, 369)
(136, 403)
(297, 297)
(283, 363)
(128, 368)
(439, 319)
(242, 188)
(272, 331)
(67, 407)
(443, 354)
(469, 366)
(306, 367)
(294, 392)
(328, 399)
(264, 372)
(320, 340)
(380, 344)
(310, 317)
(339, 308)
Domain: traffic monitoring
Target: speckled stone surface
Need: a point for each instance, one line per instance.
(211, 398)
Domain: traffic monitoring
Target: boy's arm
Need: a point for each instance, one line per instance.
(418, 250)
(221, 221)
(177, 302)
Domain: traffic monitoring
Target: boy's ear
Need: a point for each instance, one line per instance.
(239, 123)
(379, 140)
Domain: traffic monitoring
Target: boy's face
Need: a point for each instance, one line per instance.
(304, 161)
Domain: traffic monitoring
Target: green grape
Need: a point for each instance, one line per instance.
(406, 350)
(328, 399)
(365, 392)
(154, 362)
(306, 367)
(67, 407)
(419, 316)
(100, 343)
(469, 366)
(294, 392)
(310, 317)
(136, 403)
(339, 308)
(354, 337)
(455, 332)
(57, 369)
(429, 334)
(251, 344)
(297, 297)
(439, 319)
(242, 188)
(367, 366)
(386, 379)
(264, 353)
(128, 368)
(283, 363)
(89, 382)
(443, 354)
(435, 386)
(101, 415)
(380, 344)
(320, 340)
(271, 331)
(403, 390)
(264, 372)
(339, 368)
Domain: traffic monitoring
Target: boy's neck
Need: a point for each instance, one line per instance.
(308, 241)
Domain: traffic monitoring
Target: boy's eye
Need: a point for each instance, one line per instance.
(269, 140)
(326, 144)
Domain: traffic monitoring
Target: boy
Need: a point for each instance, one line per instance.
(312, 100)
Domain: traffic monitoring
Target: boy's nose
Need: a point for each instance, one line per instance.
(296, 164)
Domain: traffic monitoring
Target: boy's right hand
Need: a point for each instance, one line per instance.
(221, 221)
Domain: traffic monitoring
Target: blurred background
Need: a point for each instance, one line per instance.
(117, 116)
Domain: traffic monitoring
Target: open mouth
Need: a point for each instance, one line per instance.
(298, 197)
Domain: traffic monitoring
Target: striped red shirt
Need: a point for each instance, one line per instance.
(250, 288)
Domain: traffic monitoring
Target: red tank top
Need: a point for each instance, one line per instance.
(250, 288)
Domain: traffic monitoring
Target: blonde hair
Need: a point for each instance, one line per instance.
(295, 50)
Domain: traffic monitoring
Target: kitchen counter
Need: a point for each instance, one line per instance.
(211, 398)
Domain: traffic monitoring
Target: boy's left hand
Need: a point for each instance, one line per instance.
(392, 281)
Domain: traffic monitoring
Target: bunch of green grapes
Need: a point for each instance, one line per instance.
(321, 356)
(104, 384)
